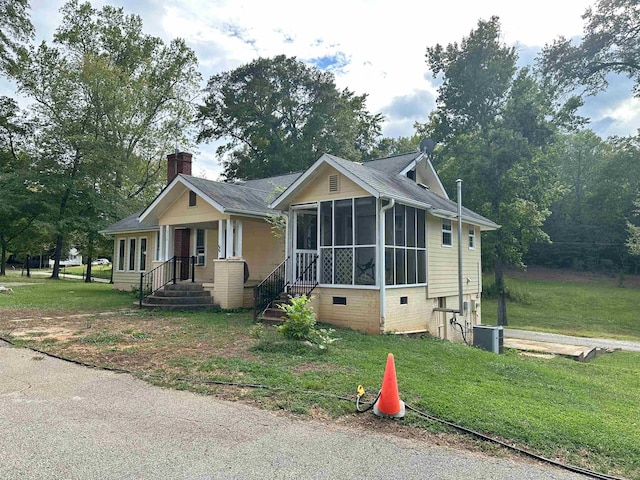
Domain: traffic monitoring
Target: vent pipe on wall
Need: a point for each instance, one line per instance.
(460, 287)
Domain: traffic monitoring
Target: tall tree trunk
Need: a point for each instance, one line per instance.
(87, 278)
(500, 288)
(3, 260)
(56, 258)
(28, 266)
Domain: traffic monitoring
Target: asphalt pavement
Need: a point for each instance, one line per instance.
(60, 420)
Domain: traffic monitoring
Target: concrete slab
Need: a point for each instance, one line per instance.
(581, 353)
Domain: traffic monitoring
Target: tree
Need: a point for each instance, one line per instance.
(109, 102)
(493, 125)
(611, 44)
(386, 146)
(15, 28)
(279, 115)
(633, 240)
(22, 201)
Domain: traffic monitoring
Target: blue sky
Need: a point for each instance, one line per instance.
(375, 47)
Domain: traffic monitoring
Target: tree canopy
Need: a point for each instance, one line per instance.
(611, 44)
(279, 115)
(109, 101)
(15, 30)
(493, 124)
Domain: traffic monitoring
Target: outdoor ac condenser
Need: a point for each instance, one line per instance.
(488, 338)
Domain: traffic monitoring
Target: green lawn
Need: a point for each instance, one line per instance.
(97, 271)
(583, 413)
(596, 309)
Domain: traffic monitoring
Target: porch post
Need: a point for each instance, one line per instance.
(239, 237)
(230, 238)
(222, 253)
(167, 243)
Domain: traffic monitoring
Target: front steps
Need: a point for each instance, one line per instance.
(272, 314)
(181, 296)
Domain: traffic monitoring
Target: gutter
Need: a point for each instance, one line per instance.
(381, 263)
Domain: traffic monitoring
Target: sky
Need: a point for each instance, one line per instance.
(375, 47)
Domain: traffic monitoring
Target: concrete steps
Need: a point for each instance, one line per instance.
(181, 296)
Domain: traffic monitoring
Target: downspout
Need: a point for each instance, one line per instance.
(460, 288)
(381, 261)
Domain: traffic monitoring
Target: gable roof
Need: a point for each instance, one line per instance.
(129, 224)
(250, 198)
(378, 179)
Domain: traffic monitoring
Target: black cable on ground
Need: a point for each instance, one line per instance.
(428, 416)
(487, 438)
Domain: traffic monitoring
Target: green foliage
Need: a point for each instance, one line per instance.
(611, 44)
(300, 319)
(15, 29)
(107, 99)
(493, 121)
(300, 324)
(279, 115)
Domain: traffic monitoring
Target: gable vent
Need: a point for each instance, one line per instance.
(333, 183)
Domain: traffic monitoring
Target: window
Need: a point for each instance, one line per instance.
(121, 253)
(348, 241)
(472, 237)
(201, 247)
(157, 254)
(142, 264)
(447, 236)
(132, 254)
(192, 199)
(405, 252)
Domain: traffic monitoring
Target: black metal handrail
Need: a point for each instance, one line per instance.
(270, 288)
(307, 280)
(177, 268)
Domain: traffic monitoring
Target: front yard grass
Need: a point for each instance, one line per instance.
(597, 308)
(582, 413)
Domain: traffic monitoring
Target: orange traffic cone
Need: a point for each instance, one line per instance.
(389, 403)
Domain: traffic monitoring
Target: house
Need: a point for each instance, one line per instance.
(374, 243)
(73, 259)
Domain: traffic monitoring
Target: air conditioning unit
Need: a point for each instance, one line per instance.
(488, 337)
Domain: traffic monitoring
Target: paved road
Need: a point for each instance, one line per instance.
(569, 340)
(59, 420)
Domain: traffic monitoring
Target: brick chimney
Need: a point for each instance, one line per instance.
(178, 163)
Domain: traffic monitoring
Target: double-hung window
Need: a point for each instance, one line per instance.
(201, 247)
(472, 237)
(447, 233)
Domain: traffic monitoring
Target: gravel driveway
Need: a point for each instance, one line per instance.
(59, 420)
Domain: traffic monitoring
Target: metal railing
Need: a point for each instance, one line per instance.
(171, 271)
(270, 288)
(307, 278)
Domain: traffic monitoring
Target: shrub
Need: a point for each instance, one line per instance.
(300, 319)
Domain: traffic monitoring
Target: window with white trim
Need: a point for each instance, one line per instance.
(201, 247)
(405, 246)
(131, 266)
(142, 259)
(156, 256)
(348, 241)
(472, 237)
(447, 233)
(122, 246)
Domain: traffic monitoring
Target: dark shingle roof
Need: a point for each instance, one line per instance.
(128, 224)
(393, 165)
(403, 189)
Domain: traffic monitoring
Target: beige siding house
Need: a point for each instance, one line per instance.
(375, 244)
